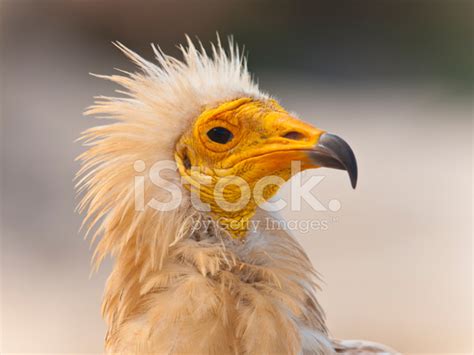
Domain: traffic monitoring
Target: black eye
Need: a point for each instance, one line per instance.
(220, 135)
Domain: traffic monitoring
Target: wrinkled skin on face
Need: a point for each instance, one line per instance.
(238, 154)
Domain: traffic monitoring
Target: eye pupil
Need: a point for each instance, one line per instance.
(220, 135)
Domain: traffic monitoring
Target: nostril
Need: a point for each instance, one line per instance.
(296, 136)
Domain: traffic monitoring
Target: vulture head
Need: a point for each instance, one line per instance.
(244, 147)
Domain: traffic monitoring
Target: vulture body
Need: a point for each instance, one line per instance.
(199, 280)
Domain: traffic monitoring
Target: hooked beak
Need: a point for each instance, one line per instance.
(332, 151)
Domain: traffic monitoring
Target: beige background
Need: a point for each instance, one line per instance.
(396, 258)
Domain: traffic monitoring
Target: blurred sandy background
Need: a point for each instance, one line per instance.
(394, 78)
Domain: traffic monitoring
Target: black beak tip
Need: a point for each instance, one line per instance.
(353, 177)
(334, 152)
(350, 163)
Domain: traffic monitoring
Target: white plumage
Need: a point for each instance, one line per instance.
(175, 287)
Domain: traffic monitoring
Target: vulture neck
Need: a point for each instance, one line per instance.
(191, 278)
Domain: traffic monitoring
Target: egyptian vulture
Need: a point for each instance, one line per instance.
(162, 184)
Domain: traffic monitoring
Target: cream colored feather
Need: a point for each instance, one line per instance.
(176, 288)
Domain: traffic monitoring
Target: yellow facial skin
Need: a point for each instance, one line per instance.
(266, 139)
